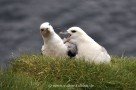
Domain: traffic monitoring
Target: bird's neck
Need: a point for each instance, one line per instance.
(85, 39)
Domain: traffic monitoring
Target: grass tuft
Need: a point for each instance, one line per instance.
(36, 72)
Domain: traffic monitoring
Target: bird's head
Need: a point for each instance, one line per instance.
(46, 29)
(76, 34)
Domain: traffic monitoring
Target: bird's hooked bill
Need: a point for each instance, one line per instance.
(63, 33)
(45, 32)
(67, 36)
(44, 29)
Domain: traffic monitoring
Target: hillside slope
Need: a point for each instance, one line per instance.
(35, 72)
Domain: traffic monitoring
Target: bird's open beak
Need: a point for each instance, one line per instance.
(67, 35)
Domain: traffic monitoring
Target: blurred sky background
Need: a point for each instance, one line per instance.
(112, 23)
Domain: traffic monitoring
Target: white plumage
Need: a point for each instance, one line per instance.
(87, 48)
(53, 44)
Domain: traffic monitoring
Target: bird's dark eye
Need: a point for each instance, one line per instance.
(73, 31)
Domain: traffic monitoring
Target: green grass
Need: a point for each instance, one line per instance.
(36, 72)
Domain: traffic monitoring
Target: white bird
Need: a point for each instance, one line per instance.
(53, 44)
(87, 48)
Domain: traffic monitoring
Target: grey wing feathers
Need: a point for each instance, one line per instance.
(72, 50)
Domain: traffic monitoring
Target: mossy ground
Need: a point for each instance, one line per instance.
(36, 72)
